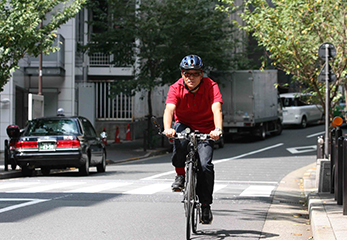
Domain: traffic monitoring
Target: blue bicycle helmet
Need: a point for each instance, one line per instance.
(193, 62)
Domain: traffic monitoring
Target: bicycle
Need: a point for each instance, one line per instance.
(192, 206)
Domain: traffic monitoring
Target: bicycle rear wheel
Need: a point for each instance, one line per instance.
(189, 199)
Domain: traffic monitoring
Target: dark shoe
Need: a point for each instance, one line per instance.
(206, 215)
(178, 184)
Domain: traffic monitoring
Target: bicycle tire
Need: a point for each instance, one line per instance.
(189, 200)
(195, 217)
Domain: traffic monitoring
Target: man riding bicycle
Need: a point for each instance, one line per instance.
(194, 101)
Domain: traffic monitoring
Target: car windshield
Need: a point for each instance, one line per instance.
(44, 127)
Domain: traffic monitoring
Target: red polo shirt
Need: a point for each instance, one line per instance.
(195, 110)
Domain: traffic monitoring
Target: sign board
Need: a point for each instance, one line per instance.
(321, 76)
(331, 51)
(35, 106)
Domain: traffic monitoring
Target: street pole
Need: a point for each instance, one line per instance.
(326, 145)
(40, 69)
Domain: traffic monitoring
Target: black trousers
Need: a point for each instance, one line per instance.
(206, 169)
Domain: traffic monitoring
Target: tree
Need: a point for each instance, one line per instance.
(154, 37)
(292, 30)
(158, 34)
(20, 31)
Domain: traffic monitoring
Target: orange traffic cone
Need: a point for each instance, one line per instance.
(128, 134)
(117, 139)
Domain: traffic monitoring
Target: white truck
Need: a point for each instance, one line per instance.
(251, 103)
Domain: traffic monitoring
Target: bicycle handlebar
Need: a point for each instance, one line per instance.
(187, 136)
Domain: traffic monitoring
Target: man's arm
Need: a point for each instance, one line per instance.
(218, 120)
(167, 119)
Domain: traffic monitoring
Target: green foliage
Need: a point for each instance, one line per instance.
(292, 31)
(162, 33)
(20, 32)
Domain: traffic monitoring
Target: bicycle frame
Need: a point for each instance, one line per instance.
(191, 202)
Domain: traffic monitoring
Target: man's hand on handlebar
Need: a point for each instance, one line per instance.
(215, 134)
(170, 132)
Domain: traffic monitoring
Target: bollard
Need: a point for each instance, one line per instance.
(333, 143)
(320, 147)
(344, 178)
(339, 171)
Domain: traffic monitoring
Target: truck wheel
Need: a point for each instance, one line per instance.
(279, 128)
(303, 123)
(262, 132)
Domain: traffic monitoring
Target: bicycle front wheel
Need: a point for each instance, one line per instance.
(189, 199)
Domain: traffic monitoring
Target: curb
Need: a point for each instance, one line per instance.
(320, 223)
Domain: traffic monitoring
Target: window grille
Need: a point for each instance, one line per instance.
(100, 59)
(118, 108)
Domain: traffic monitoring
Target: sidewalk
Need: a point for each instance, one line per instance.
(327, 219)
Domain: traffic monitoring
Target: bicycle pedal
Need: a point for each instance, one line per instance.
(177, 190)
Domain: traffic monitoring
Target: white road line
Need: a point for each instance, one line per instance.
(17, 184)
(218, 187)
(296, 150)
(257, 191)
(99, 188)
(46, 187)
(151, 189)
(219, 161)
(247, 154)
(30, 202)
(316, 134)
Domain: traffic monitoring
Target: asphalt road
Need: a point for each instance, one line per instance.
(133, 200)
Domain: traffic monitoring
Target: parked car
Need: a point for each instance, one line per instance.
(60, 142)
(297, 111)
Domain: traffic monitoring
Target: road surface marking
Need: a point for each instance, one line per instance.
(315, 134)
(296, 150)
(99, 187)
(151, 189)
(218, 187)
(257, 191)
(219, 161)
(16, 184)
(46, 187)
(28, 202)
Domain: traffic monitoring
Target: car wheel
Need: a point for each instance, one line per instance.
(303, 123)
(84, 169)
(45, 171)
(28, 172)
(102, 166)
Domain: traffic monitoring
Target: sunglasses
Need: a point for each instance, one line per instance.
(196, 74)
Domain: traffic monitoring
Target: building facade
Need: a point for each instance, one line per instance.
(78, 83)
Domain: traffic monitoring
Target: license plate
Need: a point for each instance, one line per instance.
(47, 146)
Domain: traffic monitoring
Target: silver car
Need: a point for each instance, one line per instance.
(296, 111)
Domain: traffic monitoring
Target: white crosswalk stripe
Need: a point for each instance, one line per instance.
(131, 187)
(99, 187)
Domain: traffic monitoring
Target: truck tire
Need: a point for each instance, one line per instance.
(262, 132)
(279, 128)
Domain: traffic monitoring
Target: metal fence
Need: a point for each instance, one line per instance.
(118, 108)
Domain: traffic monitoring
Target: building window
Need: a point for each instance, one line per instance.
(118, 108)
